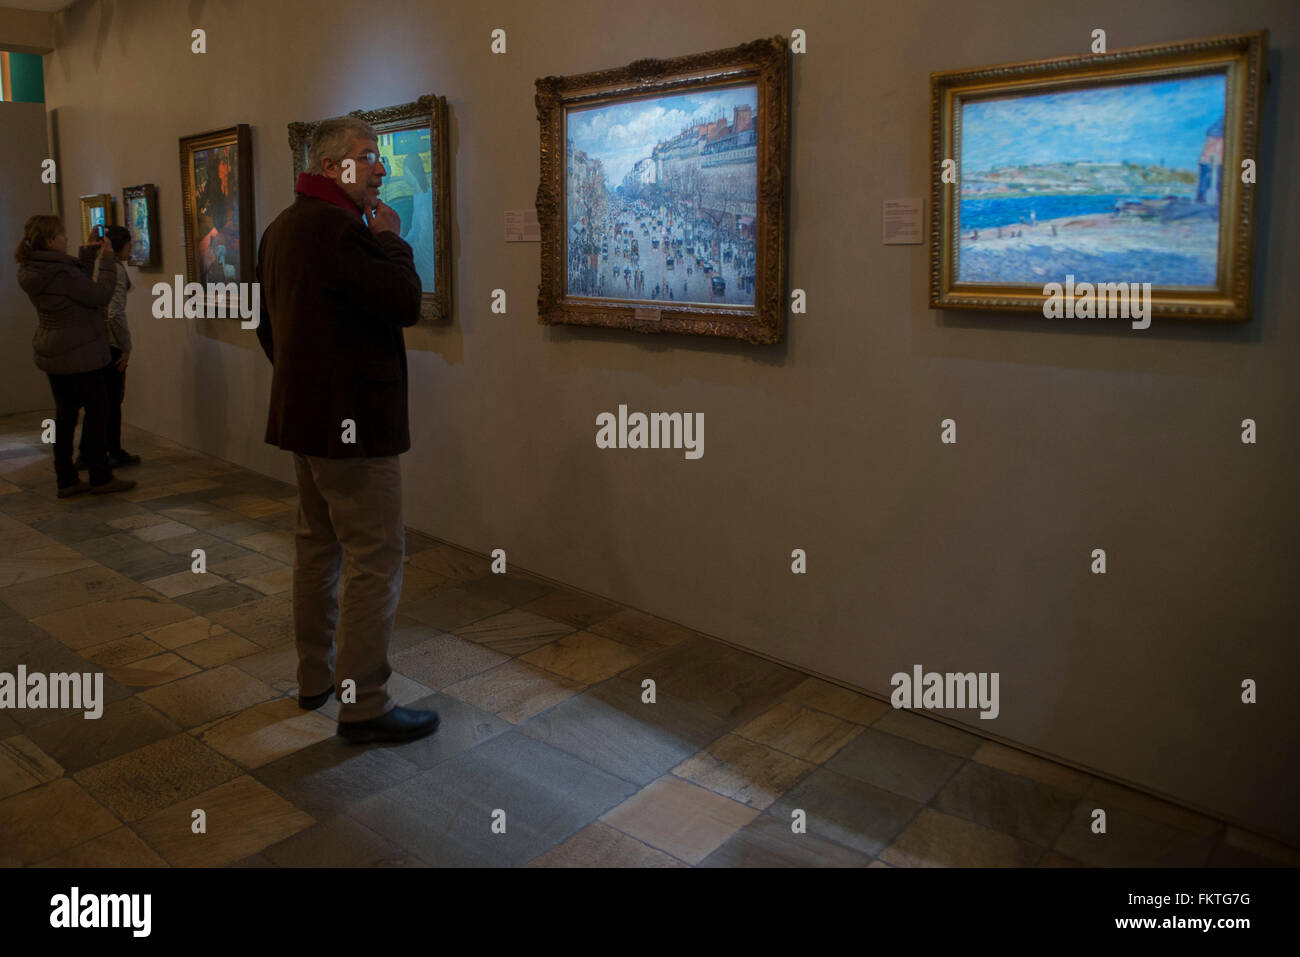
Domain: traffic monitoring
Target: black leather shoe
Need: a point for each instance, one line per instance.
(400, 724)
(311, 702)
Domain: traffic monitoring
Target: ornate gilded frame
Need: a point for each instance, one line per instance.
(428, 111)
(149, 193)
(102, 201)
(1240, 57)
(765, 63)
(241, 137)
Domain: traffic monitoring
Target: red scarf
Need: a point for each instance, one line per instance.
(322, 187)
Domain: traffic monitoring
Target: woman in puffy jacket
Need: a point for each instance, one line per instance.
(71, 344)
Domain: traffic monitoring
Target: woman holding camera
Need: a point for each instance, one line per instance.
(71, 344)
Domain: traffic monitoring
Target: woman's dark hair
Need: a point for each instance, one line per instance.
(119, 236)
(38, 232)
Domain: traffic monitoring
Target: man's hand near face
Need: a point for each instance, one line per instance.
(384, 219)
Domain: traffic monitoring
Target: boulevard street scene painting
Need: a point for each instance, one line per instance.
(661, 198)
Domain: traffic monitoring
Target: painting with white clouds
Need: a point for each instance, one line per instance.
(660, 198)
(1110, 183)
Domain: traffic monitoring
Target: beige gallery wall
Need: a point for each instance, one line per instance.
(973, 557)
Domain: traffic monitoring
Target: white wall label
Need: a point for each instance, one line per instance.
(900, 222)
(522, 227)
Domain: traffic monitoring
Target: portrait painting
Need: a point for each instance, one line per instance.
(140, 204)
(217, 186)
(1115, 169)
(412, 142)
(657, 203)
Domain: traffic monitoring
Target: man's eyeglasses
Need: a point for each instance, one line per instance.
(370, 156)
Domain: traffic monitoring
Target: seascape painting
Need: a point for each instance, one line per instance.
(408, 188)
(1109, 183)
(660, 198)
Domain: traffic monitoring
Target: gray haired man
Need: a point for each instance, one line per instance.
(338, 286)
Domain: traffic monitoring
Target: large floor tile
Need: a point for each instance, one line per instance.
(155, 776)
(1131, 840)
(125, 725)
(746, 772)
(265, 732)
(582, 656)
(333, 776)
(599, 845)
(443, 660)
(846, 811)
(266, 620)
(679, 818)
(119, 848)
(513, 691)
(208, 695)
(445, 815)
(895, 764)
(1009, 803)
(55, 593)
(243, 817)
(769, 842)
(935, 839)
(513, 632)
(24, 765)
(841, 702)
(577, 609)
(40, 822)
(96, 623)
(339, 842)
(800, 731)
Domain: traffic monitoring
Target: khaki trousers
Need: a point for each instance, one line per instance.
(349, 519)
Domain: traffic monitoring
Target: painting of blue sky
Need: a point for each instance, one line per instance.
(1157, 123)
(621, 133)
(1114, 183)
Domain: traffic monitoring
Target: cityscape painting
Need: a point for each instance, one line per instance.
(652, 207)
(1127, 169)
(661, 198)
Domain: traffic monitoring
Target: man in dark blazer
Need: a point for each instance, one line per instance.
(338, 286)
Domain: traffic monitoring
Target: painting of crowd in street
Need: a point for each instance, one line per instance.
(661, 198)
(1119, 182)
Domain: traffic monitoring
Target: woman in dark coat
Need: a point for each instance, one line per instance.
(71, 344)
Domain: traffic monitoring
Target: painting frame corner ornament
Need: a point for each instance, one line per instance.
(226, 156)
(432, 251)
(1126, 169)
(140, 215)
(704, 185)
(96, 210)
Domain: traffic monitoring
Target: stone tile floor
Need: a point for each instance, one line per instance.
(539, 689)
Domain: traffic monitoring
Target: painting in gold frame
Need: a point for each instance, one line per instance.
(413, 145)
(96, 210)
(662, 201)
(1111, 168)
(217, 193)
